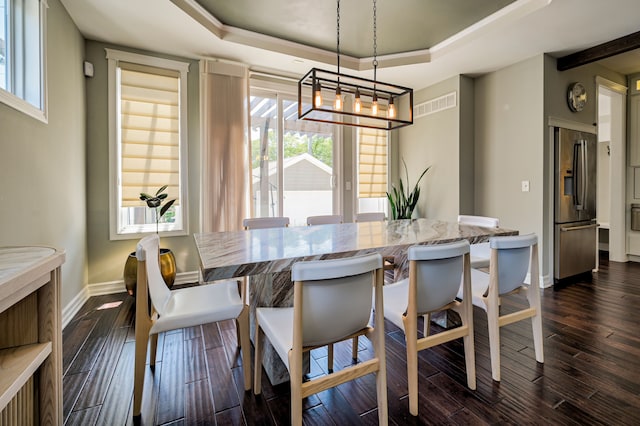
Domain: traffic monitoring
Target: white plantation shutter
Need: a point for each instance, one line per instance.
(372, 163)
(150, 132)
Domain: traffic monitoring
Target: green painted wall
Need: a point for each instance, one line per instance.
(435, 140)
(106, 257)
(509, 145)
(42, 166)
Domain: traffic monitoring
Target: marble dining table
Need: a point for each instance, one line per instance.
(266, 255)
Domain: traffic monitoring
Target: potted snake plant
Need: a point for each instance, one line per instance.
(402, 200)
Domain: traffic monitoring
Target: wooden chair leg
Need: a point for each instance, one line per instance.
(330, 358)
(494, 340)
(466, 315)
(142, 327)
(411, 338)
(295, 378)
(354, 349)
(138, 375)
(257, 366)
(153, 342)
(245, 345)
(243, 288)
(379, 348)
(536, 322)
(426, 329)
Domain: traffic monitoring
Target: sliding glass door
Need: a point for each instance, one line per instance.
(293, 162)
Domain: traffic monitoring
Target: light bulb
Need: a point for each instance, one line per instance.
(374, 105)
(357, 105)
(392, 109)
(317, 98)
(337, 105)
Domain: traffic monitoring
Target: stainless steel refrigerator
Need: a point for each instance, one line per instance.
(575, 203)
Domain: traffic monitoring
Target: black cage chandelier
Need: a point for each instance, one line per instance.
(353, 101)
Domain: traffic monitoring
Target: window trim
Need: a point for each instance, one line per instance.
(113, 59)
(19, 104)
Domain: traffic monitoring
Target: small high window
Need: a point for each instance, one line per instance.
(22, 56)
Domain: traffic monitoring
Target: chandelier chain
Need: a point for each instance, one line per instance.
(375, 42)
(338, 33)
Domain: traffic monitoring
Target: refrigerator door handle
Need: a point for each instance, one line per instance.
(585, 180)
(576, 228)
(576, 176)
(579, 175)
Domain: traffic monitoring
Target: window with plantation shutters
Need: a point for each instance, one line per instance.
(147, 108)
(372, 163)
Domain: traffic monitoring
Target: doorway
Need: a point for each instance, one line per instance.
(611, 183)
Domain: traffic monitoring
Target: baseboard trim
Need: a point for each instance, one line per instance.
(545, 280)
(74, 306)
(111, 287)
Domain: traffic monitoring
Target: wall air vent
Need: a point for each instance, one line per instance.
(435, 105)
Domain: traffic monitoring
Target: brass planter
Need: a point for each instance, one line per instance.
(167, 269)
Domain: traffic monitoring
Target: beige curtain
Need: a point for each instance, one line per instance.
(225, 162)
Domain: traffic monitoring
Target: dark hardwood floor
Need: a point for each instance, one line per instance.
(591, 373)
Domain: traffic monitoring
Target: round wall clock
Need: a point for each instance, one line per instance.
(576, 97)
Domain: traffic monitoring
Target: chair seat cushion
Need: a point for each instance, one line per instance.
(396, 297)
(479, 285)
(200, 305)
(277, 324)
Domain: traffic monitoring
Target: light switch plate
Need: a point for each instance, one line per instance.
(525, 186)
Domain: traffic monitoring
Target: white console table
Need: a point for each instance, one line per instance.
(30, 336)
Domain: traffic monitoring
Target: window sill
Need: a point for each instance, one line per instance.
(23, 106)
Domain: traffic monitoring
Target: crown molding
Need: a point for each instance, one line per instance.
(507, 15)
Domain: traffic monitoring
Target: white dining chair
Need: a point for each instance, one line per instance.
(265, 222)
(174, 309)
(324, 219)
(480, 252)
(435, 275)
(511, 259)
(370, 217)
(332, 302)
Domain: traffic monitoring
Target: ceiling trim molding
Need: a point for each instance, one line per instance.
(601, 51)
(507, 15)
(238, 35)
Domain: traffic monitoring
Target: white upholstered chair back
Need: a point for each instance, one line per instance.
(336, 296)
(265, 222)
(514, 253)
(485, 221)
(438, 272)
(324, 219)
(148, 249)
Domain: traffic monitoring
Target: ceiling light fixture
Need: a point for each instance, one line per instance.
(372, 103)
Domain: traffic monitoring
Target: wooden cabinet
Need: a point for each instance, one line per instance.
(30, 336)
